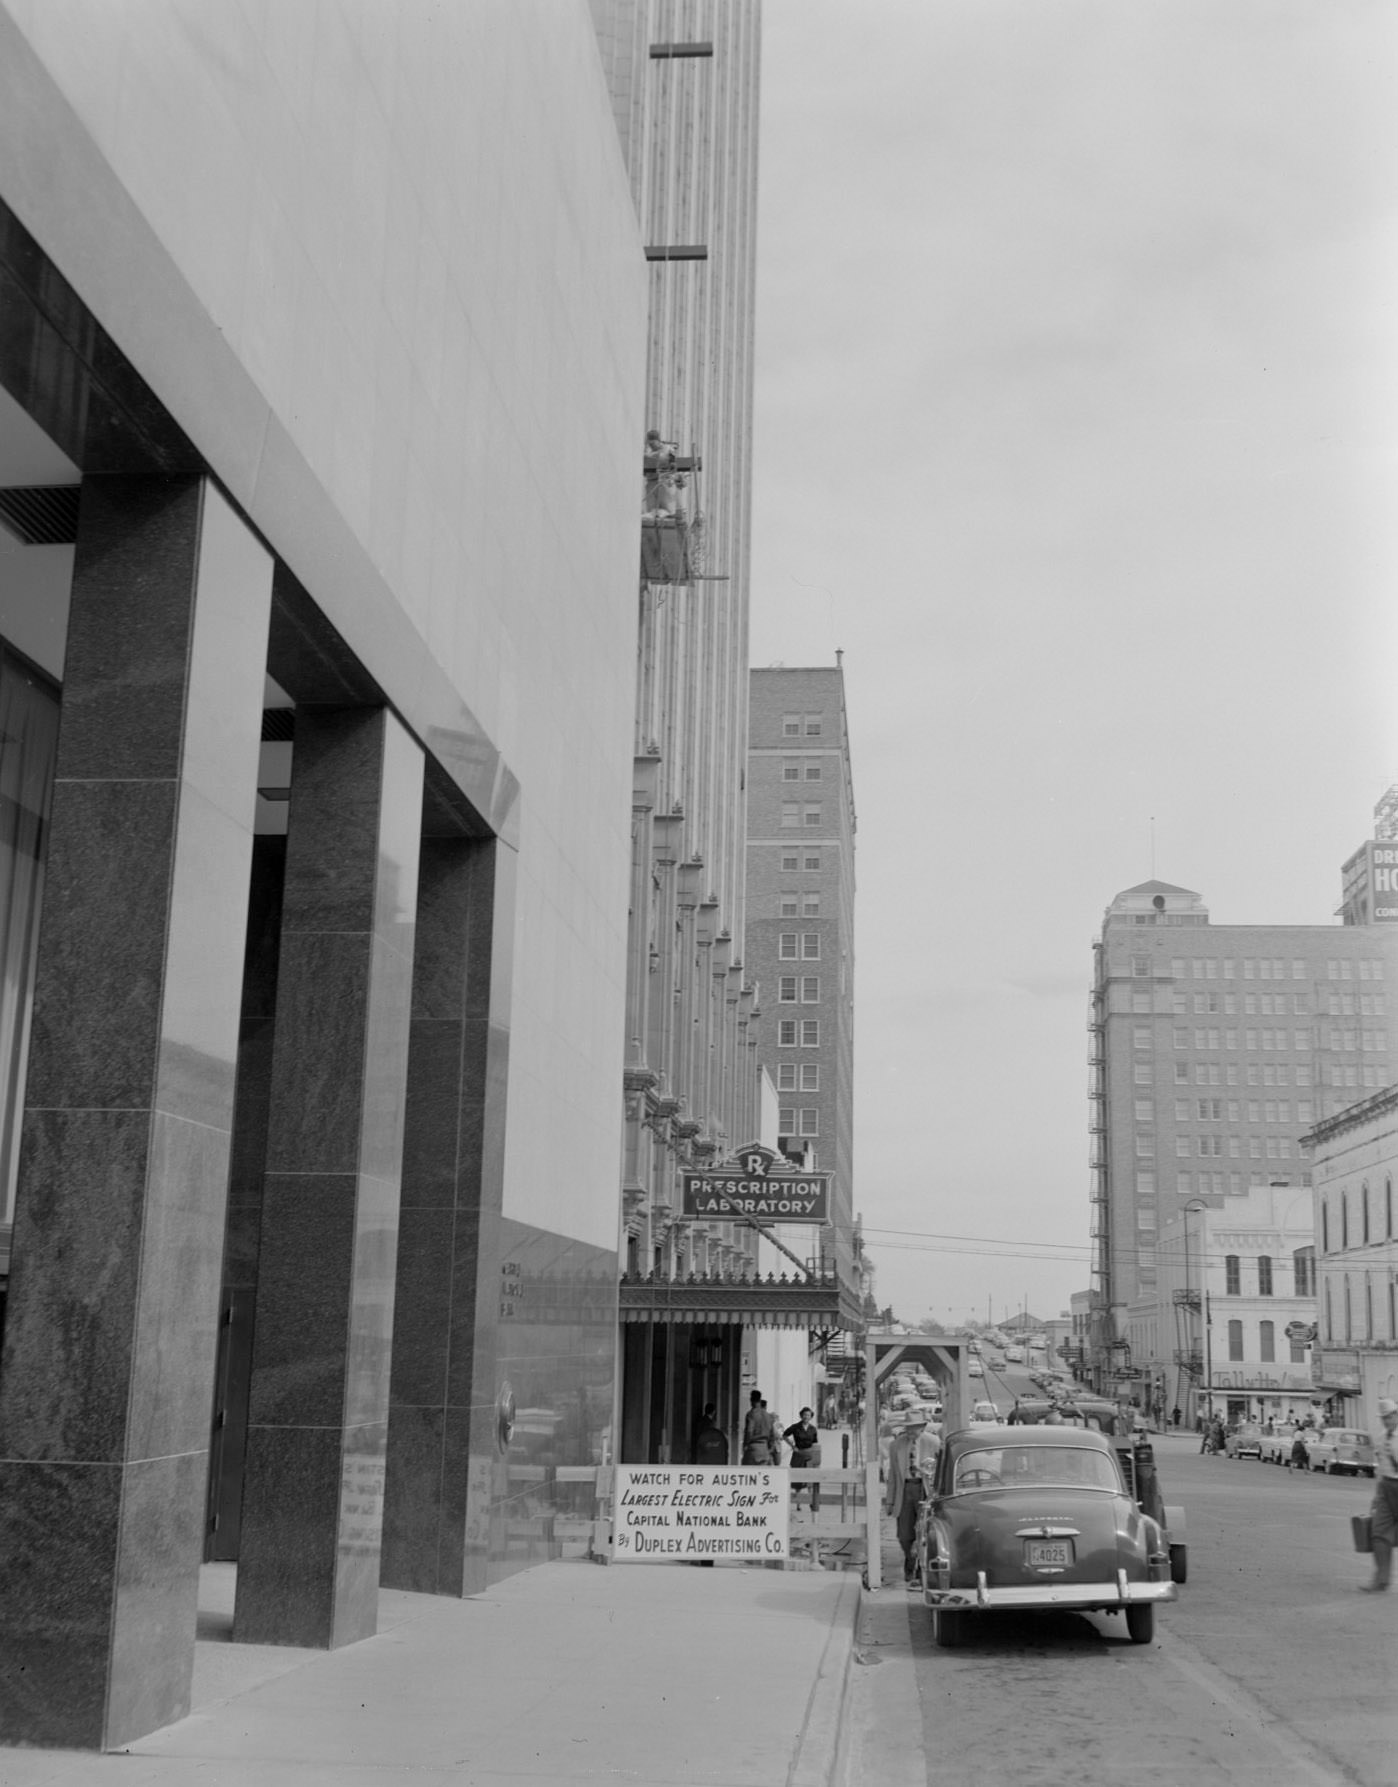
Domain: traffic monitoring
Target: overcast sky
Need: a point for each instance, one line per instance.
(1077, 431)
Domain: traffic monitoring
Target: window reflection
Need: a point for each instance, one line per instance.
(28, 743)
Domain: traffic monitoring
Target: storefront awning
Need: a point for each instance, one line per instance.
(818, 1302)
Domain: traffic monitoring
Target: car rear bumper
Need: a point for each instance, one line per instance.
(1082, 1595)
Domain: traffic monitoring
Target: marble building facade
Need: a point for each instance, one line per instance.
(322, 356)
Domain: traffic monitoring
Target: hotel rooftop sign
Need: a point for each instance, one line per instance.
(753, 1190)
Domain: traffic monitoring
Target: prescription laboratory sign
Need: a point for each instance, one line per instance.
(678, 1513)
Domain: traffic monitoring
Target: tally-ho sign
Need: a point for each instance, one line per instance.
(752, 1189)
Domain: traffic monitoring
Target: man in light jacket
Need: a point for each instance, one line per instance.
(903, 1489)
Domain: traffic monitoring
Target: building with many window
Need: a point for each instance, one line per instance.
(800, 922)
(684, 76)
(1354, 1164)
(799, 941)
(1212, 1050)
(1231, 1330)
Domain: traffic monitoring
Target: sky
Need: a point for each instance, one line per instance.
(1076, 431)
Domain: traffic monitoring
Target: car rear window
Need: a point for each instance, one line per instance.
(1073, 1467)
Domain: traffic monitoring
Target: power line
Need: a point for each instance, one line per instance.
(995, 1240)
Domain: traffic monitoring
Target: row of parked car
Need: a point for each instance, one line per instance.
(1331, 1449)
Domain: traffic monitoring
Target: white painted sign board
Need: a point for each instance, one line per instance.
(686, 1513)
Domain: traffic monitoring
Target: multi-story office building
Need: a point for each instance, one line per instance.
(800, 920)
(800, 928)
(1354, 1156)
(322, 394)
(684, 76)
(1213, 1049)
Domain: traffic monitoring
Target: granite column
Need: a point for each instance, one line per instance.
(308, 1568)
(110, 1339)
(442, 1429)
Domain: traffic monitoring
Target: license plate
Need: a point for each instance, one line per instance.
(1059, 1553)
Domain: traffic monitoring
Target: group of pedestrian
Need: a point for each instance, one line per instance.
(1215, 1436)
(762, 1443)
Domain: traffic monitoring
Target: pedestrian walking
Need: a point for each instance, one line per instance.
(803, 1436)
(1298, 1459)
(1384, 1512)
(903, 1492)
(1175, 1416)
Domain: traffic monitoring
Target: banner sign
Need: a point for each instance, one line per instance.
(680, 1513)
(1335, 1370)
(794, 1197)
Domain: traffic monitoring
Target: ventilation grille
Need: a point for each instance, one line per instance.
(41, 514)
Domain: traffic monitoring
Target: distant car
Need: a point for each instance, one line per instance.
(1342, 1449)
(974, 1368)
(984, 1413)
(1245, 1441)
(1015, 1355)
(1041, 1518)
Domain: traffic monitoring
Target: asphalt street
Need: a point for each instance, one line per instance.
(1271, 1667)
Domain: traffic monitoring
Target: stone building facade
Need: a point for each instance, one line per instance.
(323, 340)
(1354, 1164)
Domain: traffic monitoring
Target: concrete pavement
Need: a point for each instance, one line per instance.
(655, 1674)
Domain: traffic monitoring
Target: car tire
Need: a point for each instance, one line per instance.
(1179, 1563)
(948, 1629)
(1140, 1622)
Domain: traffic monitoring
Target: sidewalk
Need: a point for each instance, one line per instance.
(568, 1672)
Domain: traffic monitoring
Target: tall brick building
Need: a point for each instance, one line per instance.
(1213, 1049)
(800, 918)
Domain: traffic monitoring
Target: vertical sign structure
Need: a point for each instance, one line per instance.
(670, 1513)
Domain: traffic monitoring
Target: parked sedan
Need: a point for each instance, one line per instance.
(1342, 1449)
(1040, 1518)
(1245, 1441)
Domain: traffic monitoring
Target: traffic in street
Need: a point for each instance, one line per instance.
(1270, 1666)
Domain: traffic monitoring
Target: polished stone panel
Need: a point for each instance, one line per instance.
(447, 1268)
(313, 1486)
(109, 1346)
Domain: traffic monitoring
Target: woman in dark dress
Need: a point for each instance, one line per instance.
(803, 1437)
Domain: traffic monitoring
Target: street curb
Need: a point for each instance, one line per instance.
(819, 1747)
